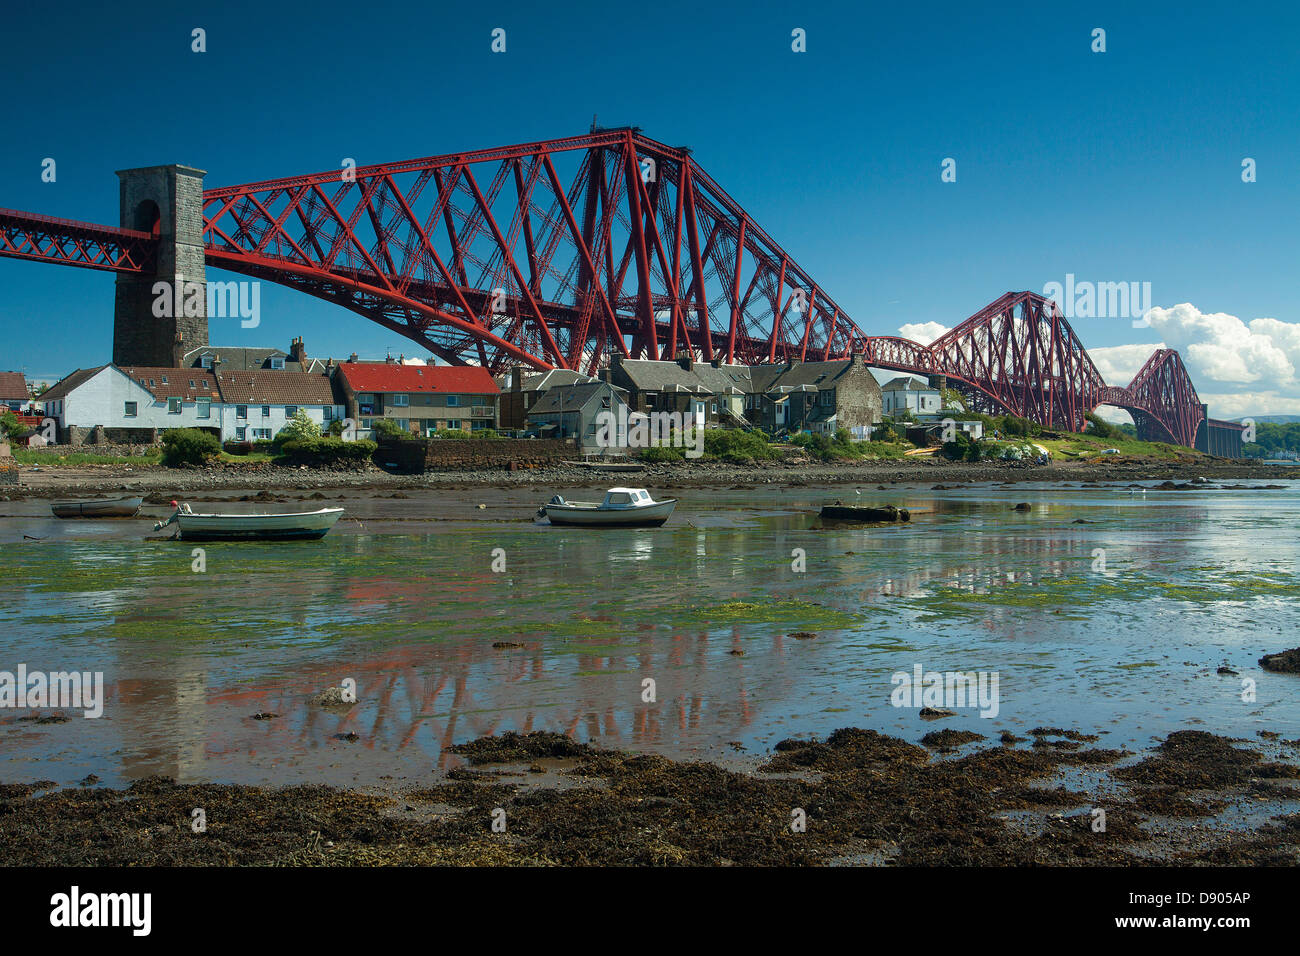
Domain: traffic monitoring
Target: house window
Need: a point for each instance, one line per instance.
(203, 408)
(290, 411)
(261, 434)
(206, 361)
(401, 401)
(191, 383)
(453, 400)
(277, 363)
(164, 379)
(241, 411)
(327, 413)
(173, 406)
(241, 432)
(266, 411)
(129, 410)
(453, 423)
(713, 409)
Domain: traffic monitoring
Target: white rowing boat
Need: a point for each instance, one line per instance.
(622, 508)
(280, 527)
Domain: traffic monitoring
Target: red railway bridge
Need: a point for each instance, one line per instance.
(566, 252)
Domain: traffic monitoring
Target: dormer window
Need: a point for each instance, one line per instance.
(205, 361)
(277, 363)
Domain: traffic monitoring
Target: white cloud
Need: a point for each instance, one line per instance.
(1221, 349)
(923, 332)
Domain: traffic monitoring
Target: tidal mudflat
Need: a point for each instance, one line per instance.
(1122, 616)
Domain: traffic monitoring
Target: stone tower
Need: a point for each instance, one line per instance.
(167, 201)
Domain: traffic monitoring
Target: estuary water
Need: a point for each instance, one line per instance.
(1103, 609)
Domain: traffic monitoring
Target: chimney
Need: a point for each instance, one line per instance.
(716, 361)
(178, 351)
(352, 357)
(686, 360)
(517, 379)
(297, 351)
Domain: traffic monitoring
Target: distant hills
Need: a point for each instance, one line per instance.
(1277, 419)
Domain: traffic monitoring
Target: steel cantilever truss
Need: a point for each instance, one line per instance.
(567, 252)
(498, 256)
(25, 235)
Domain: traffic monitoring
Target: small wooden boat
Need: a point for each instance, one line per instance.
(97, 508)
(225, 527)
(622, 508)
(611, 466)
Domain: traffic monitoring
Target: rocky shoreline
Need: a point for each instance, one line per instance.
(859, 797)
(44, 481)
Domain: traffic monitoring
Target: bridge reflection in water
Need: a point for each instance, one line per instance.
(413, 620)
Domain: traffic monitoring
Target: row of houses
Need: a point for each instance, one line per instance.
(776, 398)
(250, 394)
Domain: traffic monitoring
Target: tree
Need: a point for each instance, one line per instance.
(299, 427)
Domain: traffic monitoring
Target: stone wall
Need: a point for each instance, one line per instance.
(451, 454)
(79, 435)
(109, 450)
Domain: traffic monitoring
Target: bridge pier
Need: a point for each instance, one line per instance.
(151, 326)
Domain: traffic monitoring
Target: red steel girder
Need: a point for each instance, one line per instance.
(634, 251)
(25, 235)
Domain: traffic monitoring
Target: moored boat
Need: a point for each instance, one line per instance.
(97, 508)
(278, 527)
(622, 508)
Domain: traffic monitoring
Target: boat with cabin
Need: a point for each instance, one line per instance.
(622, 508)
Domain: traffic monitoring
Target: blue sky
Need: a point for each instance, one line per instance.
(1115, 166)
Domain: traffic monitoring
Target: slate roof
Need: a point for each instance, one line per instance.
(906, 383)
(235, 358)
(571, 398)
(65, 385)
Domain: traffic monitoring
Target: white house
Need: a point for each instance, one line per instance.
(236, 405)
(255, 405)
(133, 398)
(907, 394)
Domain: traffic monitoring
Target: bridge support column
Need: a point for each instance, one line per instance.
(167, 201)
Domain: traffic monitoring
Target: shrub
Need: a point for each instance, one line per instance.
(298, 428)
(387, 428)
(661, 453)
(189, 446)
(238, 447)
(326, 451)
(11, 427)
(735, 445)
(1101, 428)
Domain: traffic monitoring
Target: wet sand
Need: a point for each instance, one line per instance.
(858, 797)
